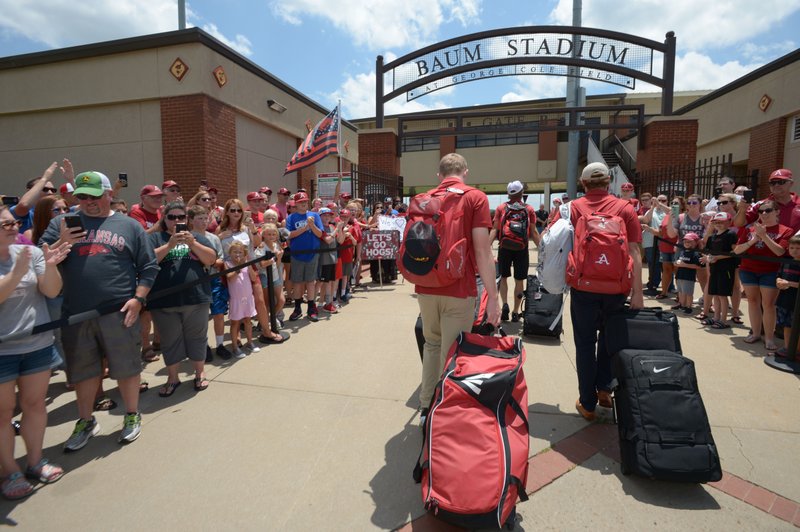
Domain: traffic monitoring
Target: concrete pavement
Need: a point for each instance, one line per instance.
(321, 433)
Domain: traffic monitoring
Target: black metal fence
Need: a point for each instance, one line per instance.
(701, 178)
(376, 186)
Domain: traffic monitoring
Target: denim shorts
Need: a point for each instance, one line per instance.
(14, 366)
(667, 257)
(767, 280)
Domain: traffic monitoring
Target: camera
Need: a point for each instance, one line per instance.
(73, 220)
(179, 228)
(123, 179)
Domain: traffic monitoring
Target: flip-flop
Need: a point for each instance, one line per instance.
(103, 403)
(771, 347)
(702, 316)
(720, 325)
(149, 354)
(200, 384)
(271, 339)
(752, 339)
(737, 320)
(168, 389)
(661, 296)
(143, 386)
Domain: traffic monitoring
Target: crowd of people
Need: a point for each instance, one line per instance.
(147, 279)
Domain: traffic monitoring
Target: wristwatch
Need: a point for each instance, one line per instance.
(141, 300)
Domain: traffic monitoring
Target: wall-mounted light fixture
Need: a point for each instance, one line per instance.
(275, 106)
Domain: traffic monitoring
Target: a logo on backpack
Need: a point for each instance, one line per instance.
(474, 382)
(514, 227)
(433, 252)
(599, 261)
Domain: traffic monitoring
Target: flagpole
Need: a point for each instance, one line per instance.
(339, 141)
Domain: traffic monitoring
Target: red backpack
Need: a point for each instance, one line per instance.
(474, 461)
(433, 252)
(514, 228)
(599, 261)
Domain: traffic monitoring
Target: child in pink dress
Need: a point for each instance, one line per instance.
(242, 301)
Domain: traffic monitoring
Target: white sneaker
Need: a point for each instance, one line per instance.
(253, 348)
(239, 353)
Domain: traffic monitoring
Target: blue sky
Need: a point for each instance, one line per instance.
(327, 48)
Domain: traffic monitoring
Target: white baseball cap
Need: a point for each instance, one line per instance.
(515, 187)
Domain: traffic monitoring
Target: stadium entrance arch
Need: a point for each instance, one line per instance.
(602, 55)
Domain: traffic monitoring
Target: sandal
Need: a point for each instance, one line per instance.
(702, 316)
(168, 389)
(44, 472)
(149, 355)
(676, 307)
(143, 386)
(274, 338)
(708, 321)
(751, 339)
(662, 296)
(719, 325)
(737, 320)
(200, 384)
(771, 346)
(16, 487)
(104, 402)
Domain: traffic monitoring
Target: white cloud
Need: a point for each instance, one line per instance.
(382, 24)
(240, 43)
(765, 52)
(697, 25)
(695, 71)
(58, 23)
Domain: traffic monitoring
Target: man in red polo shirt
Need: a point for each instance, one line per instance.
(148, 212)
(256, 205)
(449, 310)
(780, 187)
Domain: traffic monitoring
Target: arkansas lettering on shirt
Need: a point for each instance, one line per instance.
(780, 234)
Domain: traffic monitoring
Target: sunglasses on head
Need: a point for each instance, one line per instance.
(50, 189)
(234, 210)
(765, 211)
(174, 217)
(11, 224)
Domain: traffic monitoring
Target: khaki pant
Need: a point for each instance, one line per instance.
(443, 318)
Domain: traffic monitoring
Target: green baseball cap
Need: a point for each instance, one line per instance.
(89, 183)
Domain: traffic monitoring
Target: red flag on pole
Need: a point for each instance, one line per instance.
(321, 141)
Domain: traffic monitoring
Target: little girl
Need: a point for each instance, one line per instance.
(242, 301)
(686, 273)
(271, 241)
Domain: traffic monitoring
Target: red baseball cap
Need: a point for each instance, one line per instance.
(300, 196)
(345, 195)
(781, 173)
(344, 212)
(170, 183)
(284, 190)
(265, 190)
(150, 190)
(66, 188)
(212, 189)
(253, 196)
(331, 205)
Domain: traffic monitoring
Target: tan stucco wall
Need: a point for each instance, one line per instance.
(110, 138)
(738, 111)
(103, 112)
(419, 169)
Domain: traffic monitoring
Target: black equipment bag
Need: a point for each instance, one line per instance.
(649, 328)
(664, 432)
(543, 312)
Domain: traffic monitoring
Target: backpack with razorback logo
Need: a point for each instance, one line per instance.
(433, 252)
(473, 466)
(514, 228)
(554, 248)
(599, 261)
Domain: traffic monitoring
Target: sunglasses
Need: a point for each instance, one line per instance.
(60, 209)
(11, 224)
(205, 199)
(174, 217)
(776, 183)
(50, 189)
(723, 202)
(86, 197)
(234, 210)
(765, 211)
(692, 202)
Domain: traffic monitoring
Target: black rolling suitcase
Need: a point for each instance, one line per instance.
(664, 432)
(543, 312)
(649, 328)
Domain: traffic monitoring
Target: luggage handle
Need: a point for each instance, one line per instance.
(677, 437)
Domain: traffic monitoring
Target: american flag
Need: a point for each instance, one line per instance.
(321, 141)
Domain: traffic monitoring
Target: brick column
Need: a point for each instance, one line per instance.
(767, 143)
(668, 143)
(377, 151)
(447, 143)
(199, 142)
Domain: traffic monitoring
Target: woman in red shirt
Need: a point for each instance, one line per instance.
(667, 249)
(765, 238)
